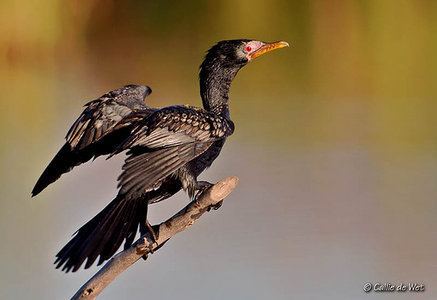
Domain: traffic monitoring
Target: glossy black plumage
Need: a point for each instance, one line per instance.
(167, 150)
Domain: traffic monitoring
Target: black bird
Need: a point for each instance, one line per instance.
(167, 150)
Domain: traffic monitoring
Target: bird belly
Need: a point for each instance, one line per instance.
(205, 160)
(189, 172)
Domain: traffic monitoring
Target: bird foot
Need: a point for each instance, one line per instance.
(215, 206)
(202, 186)
(145, 256)
(154, 233)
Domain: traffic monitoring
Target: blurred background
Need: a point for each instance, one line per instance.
(335, 145)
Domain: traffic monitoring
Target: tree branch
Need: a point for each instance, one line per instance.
(144, 245)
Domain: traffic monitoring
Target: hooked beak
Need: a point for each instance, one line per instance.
(267, 47)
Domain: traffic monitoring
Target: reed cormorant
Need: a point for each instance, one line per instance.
(167, 150)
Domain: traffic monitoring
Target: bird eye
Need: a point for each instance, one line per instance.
(248, 48)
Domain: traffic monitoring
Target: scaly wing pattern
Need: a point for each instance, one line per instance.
(166, 141)
(102, 115)
(99, 129)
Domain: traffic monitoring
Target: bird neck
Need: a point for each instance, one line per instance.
(215, 82)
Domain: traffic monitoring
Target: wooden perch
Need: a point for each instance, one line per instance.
(145, 244)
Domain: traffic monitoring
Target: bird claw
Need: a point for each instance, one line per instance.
(148, 228)
(154, 236)
(215, 206)
(202, 186)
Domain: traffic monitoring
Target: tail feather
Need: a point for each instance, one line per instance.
(103, 234)
(63, 162)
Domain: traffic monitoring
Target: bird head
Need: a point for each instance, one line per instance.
(237, 53)
(222, 63)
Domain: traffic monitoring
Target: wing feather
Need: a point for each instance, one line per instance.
(101, 116)
(164, 142)
(102, 126)
(145, 172)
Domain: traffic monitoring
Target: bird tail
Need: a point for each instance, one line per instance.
(103, 234)
(63, 162)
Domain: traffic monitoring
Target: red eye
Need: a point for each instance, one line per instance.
(248, 48)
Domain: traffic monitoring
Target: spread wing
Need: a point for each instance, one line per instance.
(102, 115)
(165, 142)
(103, 124)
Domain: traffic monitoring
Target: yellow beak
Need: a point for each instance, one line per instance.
(267, 48)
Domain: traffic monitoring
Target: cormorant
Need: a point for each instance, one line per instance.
(167, 150)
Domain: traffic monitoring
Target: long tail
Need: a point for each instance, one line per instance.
(63, 162)
(104, 234)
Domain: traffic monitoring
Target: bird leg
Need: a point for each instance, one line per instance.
(203, 186)
(153, 230)
(148, 228)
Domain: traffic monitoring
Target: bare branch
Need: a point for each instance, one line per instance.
(145, 245)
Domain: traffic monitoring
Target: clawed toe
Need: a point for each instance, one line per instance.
(215, 206)
(202, 186)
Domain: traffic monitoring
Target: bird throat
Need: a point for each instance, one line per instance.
(215, 82)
